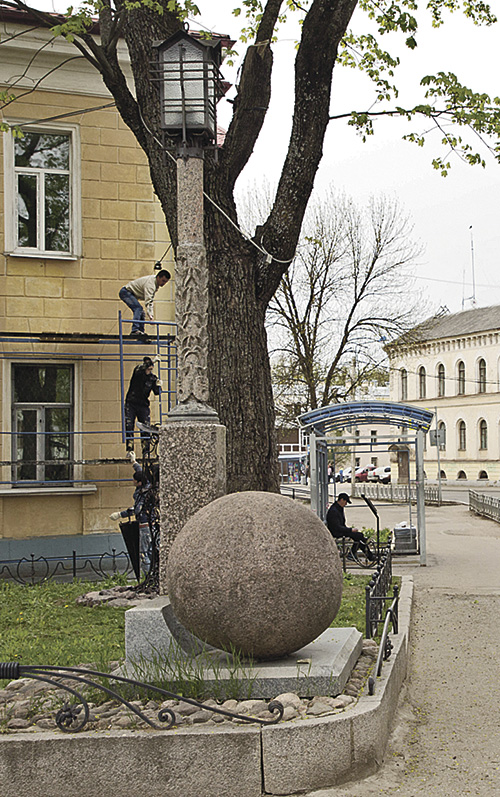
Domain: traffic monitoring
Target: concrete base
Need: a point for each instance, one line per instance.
(154, 635)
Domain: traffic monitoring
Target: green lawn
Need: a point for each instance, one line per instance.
(42, 624)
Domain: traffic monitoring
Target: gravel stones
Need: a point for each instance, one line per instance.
(257, 572)
(26, 705)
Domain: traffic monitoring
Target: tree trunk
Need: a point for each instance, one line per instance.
(238, 360)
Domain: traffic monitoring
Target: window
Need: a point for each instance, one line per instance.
(422, 389)
(481, 373)
(373, 435)
(442, 436)
(461, 378)
(404, 384)
(42, 422)
(462, 436)
(441, 380)
(483, 435)
(41, 176)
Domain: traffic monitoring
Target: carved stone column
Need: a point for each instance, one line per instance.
(192, 442)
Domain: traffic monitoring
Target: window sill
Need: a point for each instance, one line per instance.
(44, 255)
(81, 490)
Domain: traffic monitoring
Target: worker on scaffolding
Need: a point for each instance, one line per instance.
(142, 487)
(142, 382)
(143, 288)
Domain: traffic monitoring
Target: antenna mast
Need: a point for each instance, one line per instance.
(473, 297)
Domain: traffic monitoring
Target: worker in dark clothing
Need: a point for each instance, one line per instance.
(335, 520)
(142, 487)
(142, 382)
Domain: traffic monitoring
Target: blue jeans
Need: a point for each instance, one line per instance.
(137, 309)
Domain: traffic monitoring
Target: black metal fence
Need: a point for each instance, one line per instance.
(94, 567)
(377, 592)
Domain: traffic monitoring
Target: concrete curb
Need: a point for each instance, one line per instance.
(300, 755)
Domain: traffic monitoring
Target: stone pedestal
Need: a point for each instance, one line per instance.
(192, 474)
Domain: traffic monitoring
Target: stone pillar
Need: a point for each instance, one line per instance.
(193, 441)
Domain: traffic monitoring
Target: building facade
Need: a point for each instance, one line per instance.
(78, 220)
(451, 365)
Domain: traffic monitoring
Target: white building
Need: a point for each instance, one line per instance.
(450, 364)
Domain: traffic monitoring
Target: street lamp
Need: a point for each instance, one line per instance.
(187, 71)
(190, 84)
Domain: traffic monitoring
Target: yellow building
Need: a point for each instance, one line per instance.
(78, 221)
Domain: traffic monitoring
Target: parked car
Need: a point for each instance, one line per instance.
(382, 474)
(361, 474)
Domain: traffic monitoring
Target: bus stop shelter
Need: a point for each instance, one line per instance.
(337, 417)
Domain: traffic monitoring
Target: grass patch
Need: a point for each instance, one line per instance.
(42, 624)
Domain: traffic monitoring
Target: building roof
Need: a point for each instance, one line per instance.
(454, 325)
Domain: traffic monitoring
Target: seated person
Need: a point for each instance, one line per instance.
(335, 520)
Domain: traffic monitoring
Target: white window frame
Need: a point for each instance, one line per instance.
(10, 193)
(7, 426)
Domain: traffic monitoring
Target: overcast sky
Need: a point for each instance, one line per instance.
(442, 209)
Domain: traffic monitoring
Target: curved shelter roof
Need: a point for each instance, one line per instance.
(359, 413)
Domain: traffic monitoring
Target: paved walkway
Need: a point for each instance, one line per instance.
(447, 736)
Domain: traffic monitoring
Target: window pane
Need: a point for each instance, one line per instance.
(25, 445)
(35, 384)
(42, 151)
(58, 444)
(26, 209)
(57, 212)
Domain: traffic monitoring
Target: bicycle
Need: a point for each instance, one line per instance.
(360, 556)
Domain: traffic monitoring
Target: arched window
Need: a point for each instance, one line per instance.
(462, 436)
(481, 376)
(422, 389)
(461, 378)
(442, 436)
(482, 474)
(461, 474)
(404, 384)
(483, 435)
(441, 380)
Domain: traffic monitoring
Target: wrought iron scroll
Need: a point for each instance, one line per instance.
(73, 717)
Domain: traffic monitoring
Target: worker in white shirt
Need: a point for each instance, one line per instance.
(143, 288)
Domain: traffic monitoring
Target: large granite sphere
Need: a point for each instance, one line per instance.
(257, 572)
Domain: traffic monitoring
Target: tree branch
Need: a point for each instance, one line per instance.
(323, 28)
(252, 100)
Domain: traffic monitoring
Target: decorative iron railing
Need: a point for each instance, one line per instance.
(377, 593)
(73, 717)
(386, 646)
(35, 569)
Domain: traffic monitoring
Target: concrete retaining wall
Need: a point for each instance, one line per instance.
(301, 755)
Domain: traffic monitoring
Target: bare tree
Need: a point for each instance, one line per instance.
(348, 290)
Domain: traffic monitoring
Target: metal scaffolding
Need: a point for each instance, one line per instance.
(120, 348)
